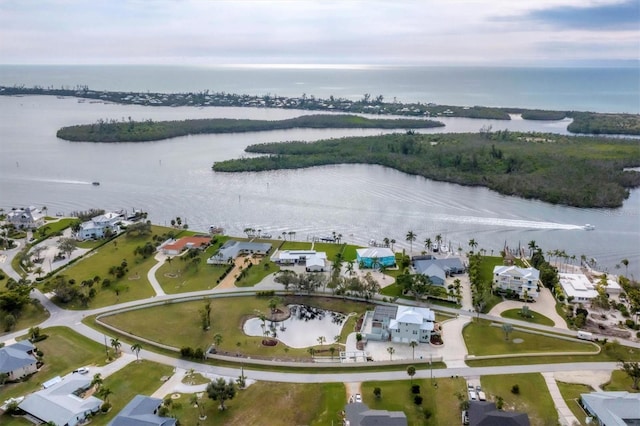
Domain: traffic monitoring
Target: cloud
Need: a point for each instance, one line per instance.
(610, 17)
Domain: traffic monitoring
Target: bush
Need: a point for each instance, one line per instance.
(377, 392)
(105, 407)
(417, 400)
(186, 352)
(515, 389)
(427, 413)
(415, 388)
(630, 324)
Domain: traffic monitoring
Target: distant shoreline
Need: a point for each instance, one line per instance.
(584, 122)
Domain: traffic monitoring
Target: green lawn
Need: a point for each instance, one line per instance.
(349, 252)
(136, 378)
(30, 316)
(64, 351)
(619, 382)
(483, 339)
(296, 245)
(533, 399)
(537, 318)
(52, 228)
(257, 273)
(227, 317)
(440, 402)
(571, 394)
(331, 249)
(270, 404)
(133, 286)
(180, 276)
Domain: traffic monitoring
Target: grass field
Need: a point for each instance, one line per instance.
(331, 249)
(571, 394)
(30, 316)
(257, 273)
(619, 382)
(272, 404)
(537, 318)
(483, 339)
(179, 276)
(64, 351)
(533, 399)
(227, 317)
(296, 245)
(440, 402)
(136, 378)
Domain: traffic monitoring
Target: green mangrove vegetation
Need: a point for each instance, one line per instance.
(568, 170)
(136, 131)
(611, 124)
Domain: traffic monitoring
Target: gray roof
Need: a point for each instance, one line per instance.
(613, 408)
(358, 414)
(16, 356)
(385, 312)
(450, 264)
(141, 411)
(60, 404)
(232, 248)
(485, 413)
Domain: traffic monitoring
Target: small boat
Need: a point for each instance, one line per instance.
(216, 230)
(96, 183)
(266, 236)
(588, 227)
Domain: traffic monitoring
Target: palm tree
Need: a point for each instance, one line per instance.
(625, 262)
(413, 345)
(428, 243)
(410, 237)
(391, 351)
(136, 348)
(350, 269)
(105, 393)
(411, 371)
(97, 381)
(217, 339)
(438, 241)
(532, 247)
(321, 340)
(473, 244)
(115, 344)
(386, 241)
(507, 328)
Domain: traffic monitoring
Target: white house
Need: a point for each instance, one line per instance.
(28, 217)
(18, 360)
(316, 263)
(518, 280)
(399, 324)
(63, 403)
(581, 289)
(291, 257)
(98, 226)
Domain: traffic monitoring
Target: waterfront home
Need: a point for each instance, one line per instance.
(294, 257)
(437, 270)
(375, 257)
(18, 360)
(612, 408)
(142, 411)
(26, 218)
(233, 248)
(100, 226)
(175, 247)
(63, 403)
(518, 280)
(581, 289)
(402, 324)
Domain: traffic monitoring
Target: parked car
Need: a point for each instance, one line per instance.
(358, 397)
(81, 370)
(478, 388)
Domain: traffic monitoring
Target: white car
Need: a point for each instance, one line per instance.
(358, 397)
(81, 370)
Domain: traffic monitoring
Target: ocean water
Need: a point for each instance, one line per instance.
(570, 88)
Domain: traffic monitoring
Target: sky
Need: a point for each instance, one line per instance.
(314, 32)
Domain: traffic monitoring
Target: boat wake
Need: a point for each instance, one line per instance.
(509, 223)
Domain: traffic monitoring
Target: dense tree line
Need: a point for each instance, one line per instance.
(612, 124)
(142, 131)
(568, 170)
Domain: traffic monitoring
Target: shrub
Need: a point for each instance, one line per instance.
(377, 392)
(515, 389)
(415, 388)
(427, 413)
(417, 400)
(186, 352)
(105, 407)
(630, 324)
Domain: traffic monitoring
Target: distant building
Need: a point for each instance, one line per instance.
(375, 257)
(142, 411)
(485, 413)
(98, 226)
(233, 248)
(26, 218)
(63, 403)
(613, 408)
(401, 324)
(518, 280)
(358, 414)
(18, 360)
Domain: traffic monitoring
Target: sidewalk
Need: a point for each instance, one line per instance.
(565, 416)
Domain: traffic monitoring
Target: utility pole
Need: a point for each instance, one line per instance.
(431, 366)
(106, 348)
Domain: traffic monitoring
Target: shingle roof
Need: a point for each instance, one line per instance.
(15, 356)
(141, 411)
(359, 414)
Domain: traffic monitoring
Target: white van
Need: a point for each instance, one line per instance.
(473, 396)
(585, 335)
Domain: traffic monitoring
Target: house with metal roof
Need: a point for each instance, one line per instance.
(18, 360)
(359, 414)
(399, 324)
(613, 408)
(63, 403)
(234, 248)
(142, 411)
(375, 257)
(28, 217)
(98, 226)
(437, 269)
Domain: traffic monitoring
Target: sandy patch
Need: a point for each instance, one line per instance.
(595, 379)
